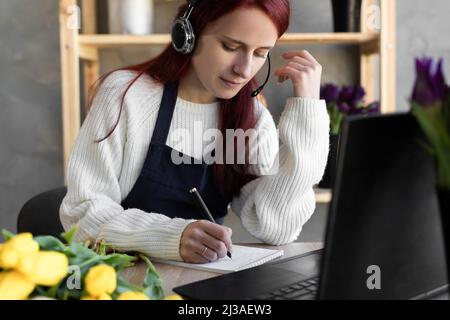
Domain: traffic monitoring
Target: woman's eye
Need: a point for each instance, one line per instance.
(263, 56)
(227, 48)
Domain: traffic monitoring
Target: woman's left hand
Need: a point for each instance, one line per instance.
(304, 71)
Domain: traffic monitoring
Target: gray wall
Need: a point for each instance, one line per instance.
(422, 29)
(30, 108)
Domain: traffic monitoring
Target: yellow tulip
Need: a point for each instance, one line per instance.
(8, 259)
(26, 264)
(14, 286)
(103, 296)
(19, 246)
(45, 268)
(133, 295)
(101, 279)
(173, 297)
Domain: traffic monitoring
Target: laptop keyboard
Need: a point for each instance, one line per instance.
(304, 290)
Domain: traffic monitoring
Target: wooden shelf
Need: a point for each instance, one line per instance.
(118, 40)
(330, 38)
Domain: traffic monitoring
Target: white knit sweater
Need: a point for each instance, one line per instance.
(273, 208)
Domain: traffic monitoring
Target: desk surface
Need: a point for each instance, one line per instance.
(174, 276)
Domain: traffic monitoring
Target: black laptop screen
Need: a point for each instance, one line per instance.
(384, 214)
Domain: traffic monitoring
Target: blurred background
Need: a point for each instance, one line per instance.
(31, 144)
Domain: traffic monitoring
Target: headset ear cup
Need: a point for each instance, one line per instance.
(183, 38)
(178, 35)
(190, 37)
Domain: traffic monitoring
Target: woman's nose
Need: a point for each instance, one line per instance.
(243, 68)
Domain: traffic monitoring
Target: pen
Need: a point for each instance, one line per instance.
(202, 206)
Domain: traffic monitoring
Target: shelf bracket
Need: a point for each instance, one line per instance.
(89, 53)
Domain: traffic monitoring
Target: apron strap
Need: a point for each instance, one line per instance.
(165, 113)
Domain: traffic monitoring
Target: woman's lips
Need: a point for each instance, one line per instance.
(231, 84)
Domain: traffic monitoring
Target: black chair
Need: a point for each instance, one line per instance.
(40, 215)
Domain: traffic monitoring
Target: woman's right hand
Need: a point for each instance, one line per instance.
(204, 234)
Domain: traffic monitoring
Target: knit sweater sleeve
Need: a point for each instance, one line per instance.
(93, 200)
(275, 206)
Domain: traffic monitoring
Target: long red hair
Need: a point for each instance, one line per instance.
(235, 113)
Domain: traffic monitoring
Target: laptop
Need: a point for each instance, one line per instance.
(383, 237)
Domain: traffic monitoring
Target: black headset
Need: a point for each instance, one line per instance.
(183, 38)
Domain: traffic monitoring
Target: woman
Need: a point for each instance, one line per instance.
(127, 189)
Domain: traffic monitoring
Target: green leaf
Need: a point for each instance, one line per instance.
(82, 256)
(443, 166)
(102, 248)
(70, 235)
(118, 261)
(39, 291)
(427, 148)
(49, 243)
(155, 292)
(336, 118)
(7, 235)
(152, 283)
(432, 126)
(433, 123)
(52, 291)
(125, 286)
(64, 293)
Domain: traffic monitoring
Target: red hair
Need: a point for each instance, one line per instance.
(235, 113)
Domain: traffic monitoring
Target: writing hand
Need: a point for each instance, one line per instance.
(204, 234)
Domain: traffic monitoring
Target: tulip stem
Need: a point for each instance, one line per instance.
(81, 265)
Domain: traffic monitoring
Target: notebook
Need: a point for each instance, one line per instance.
(243, 258)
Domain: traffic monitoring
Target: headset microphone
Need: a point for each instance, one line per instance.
(258, 91)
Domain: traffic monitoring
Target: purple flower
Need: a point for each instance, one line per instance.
(374, 107)
(343, 107)
(353, 96)
(442, 88)
(430, 105)
(359, 93)
(360, 109)
(343, 101)
(346, 94)
(329, 93)
(430, 86)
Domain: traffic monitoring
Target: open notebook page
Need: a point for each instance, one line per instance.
(243, 258)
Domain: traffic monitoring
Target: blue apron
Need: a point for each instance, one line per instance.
(163, 186)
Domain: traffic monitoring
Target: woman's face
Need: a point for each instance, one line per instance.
(232, 48)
